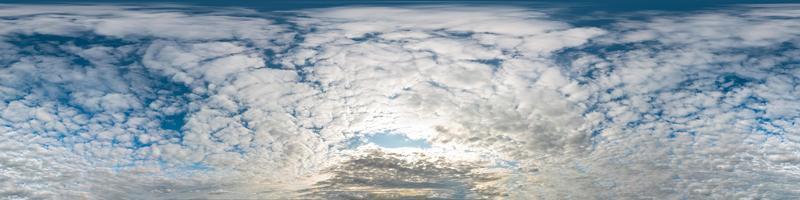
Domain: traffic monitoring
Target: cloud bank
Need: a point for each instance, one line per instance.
(183, 102)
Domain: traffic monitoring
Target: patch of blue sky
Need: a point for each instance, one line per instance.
(389, 139)
(396, 140)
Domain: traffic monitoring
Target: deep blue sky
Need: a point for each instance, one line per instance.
(583, 5)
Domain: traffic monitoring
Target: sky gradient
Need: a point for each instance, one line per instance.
(442, 100)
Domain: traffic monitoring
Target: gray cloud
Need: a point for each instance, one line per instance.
(380, 175)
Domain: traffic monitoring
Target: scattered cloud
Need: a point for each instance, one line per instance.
(167, 102)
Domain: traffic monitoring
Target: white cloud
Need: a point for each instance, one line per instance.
(675, 106)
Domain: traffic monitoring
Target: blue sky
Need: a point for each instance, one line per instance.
(608, 5)
(312, 99)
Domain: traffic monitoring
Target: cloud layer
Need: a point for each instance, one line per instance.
(175, 101)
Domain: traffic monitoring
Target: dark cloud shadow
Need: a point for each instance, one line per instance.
(382, 175)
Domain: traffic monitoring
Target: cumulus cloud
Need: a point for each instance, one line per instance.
(376, 174)
(168, 102)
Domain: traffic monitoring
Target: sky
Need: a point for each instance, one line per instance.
(398, 100)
